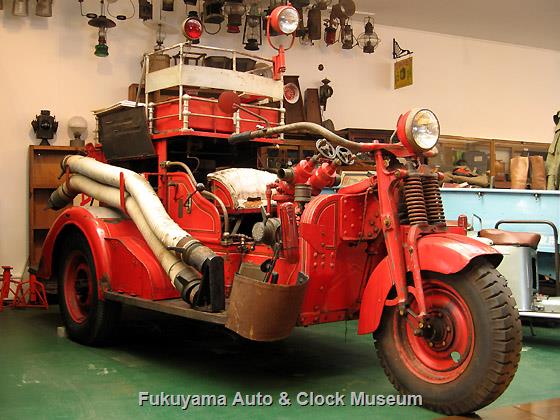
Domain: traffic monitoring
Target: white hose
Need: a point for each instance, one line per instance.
(139, 188)
(172, 265)
(165, 229)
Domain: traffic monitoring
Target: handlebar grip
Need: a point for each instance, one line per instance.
(241, 137)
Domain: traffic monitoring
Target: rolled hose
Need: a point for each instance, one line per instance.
(165, 229)
(183, 277)
(191, 251)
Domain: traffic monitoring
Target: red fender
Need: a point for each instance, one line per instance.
(445, 253)
(92, 228)
(449, 253)
(123, 261)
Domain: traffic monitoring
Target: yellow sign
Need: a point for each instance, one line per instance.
(403, 73)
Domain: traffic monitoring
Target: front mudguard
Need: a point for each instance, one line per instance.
(446, 253)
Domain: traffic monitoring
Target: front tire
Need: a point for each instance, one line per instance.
(468, 355)
(88, 319)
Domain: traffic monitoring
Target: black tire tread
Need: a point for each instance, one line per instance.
(507, 335)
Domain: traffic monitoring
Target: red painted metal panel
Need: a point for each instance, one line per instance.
(373, 299)
(450, 253)
(168, 117)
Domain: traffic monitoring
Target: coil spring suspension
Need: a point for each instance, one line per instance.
(432, 198)
(414, 200)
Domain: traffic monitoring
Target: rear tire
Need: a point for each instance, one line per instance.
(470, 353)
(88, 319)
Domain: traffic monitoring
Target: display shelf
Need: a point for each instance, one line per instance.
(44, 172)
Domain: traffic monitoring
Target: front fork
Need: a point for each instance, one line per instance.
(388, 183)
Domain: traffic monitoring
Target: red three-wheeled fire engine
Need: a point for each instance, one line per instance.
(262, 253)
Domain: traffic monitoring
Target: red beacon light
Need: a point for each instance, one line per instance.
(418, 130)
(285, 20)
(192, 28)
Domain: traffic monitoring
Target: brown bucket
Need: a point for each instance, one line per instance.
(262, 311)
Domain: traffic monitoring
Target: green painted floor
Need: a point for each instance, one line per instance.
(43, 376)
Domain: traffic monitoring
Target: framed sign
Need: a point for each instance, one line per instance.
(403, 73)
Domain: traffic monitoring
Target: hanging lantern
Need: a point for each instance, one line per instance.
(44, 8)
(102, 49)
(102, 23)
(369, 39)
(192, 27)
(347, 37)
(145, 10)
(234, 10)
(314, 23)
(330, 32)
(252, 31)
(20, 8)
(213, 11)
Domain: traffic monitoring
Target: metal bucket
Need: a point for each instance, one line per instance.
(262, 311)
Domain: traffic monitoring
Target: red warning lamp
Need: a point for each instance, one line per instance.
(192, 28)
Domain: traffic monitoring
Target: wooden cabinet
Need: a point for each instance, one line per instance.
(44, 170)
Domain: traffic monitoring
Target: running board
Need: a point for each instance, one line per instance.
(546, 315)
(169, 306)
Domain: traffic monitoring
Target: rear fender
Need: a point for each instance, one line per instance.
(93, 229)
(122, 258)
(442, 253)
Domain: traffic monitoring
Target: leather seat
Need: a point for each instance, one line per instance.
(505, 237)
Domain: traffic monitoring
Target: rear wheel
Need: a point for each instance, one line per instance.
(88, 319)
(467, 352)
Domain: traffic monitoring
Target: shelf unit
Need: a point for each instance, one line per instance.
(44, 170)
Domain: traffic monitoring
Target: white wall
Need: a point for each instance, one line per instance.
(477, 88)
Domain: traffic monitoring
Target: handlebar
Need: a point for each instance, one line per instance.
(301, 127)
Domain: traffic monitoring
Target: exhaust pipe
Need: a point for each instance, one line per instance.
(190, 250)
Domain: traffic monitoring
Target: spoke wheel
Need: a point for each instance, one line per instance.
(466, 353)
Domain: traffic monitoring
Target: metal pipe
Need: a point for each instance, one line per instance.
(556, 246)
(208, 194)
(185, 167)
(301, 127)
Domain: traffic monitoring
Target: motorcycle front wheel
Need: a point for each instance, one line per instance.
(468, 351)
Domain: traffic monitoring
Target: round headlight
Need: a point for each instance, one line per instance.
(418, 130)
(284, 19)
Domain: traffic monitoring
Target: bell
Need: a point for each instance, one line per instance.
(20, 8)
(44, 8)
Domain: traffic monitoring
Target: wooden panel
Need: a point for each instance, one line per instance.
(294, 112)
(42, 216)
(312, 106)
(44, 170)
